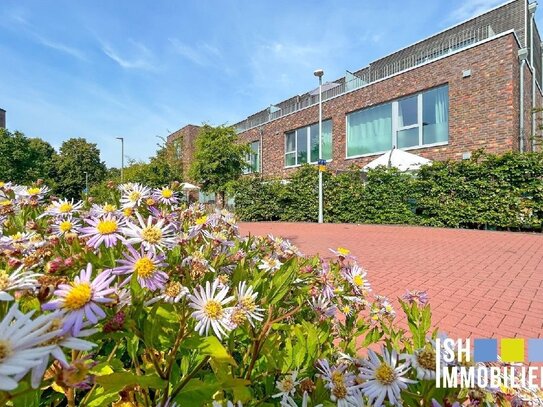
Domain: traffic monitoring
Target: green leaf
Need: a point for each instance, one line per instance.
(120, 380)
(197, 393)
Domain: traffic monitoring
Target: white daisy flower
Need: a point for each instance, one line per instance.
(384, 378)
(64, 207)
(340, 382)
(165, 196)
(424, 362)
(66, 341)
(356, 276)
(210, 310)
(172, 293)
(270, 264)
(246, 308)
(66, 225)
(287, 385)
(15, 281)
(103, 210)
(21, 348)
(133, 194)
(151, 235)
(37, 193)
(356, 398)
(228, 404)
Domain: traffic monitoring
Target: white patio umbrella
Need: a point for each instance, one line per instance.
(187, 187)
(399, 159)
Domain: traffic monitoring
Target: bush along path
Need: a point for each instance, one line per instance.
(487, 192)
(144, 303)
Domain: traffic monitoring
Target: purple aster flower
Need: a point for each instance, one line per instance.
(147, 267)
(103, 230)
(165, 196)
(81, 299)
(416, 296)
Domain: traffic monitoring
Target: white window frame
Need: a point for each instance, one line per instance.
(308, 145)
(396, 127)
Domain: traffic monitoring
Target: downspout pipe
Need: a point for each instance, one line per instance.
(523, 56)
(531, 8)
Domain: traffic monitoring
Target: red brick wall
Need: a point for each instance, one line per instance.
(482, 108)
(188, 136)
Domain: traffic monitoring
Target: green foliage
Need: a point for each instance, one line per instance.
(218, 158)
(161, 169)
(486, 192)
(76, 157)
(257, 200)
(24, 160)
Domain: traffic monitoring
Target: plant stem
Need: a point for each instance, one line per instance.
(187, 378)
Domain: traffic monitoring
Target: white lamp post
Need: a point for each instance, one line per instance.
(319, 73)
(122, 157)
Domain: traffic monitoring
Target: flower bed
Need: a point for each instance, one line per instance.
(143, 302)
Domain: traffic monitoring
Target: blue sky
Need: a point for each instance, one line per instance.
(140, 69)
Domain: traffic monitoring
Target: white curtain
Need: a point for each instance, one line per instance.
(370, 130)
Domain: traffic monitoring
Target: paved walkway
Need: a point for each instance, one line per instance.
(481, 284)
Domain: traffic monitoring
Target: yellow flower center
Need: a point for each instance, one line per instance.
(201, 220)
(134, 196)
(6, 202)
(127, 212)
(247, 303)
(346, 309)
(287, 384)
(385, 374)
(388, 308)
(78, 297)
(4, 280)
(213, 309)
(167, 193)
(343, 251)
(238, 317)
(65, 207)
(150, 201)
(151, 234)
(33, 191)
(358, 280)
(65, 226)
(337, 378)
(173, 289)
(16, 236)
(340, 391)
(427, 358)
(5, 350)
(2, 184)
(144, 267)
(106, 227)
(108, 208)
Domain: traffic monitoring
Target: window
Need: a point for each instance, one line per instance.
(253, 158)
(415, 121)
(302, 145)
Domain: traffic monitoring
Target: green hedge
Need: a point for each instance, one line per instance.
(486, 192)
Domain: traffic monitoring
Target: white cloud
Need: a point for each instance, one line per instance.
(142, 58)
(74, 52)
(201, 54)
(471, 8)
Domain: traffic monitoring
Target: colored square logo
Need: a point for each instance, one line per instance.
(535, 350)
(485, 350)
(512, 350)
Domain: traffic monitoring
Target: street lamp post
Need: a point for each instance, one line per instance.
(86, 183)
(122, 157)
(319, 73)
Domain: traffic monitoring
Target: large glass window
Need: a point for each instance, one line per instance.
(302, 145)
(253, 158)
(369, 130)
(435, 120)
(415, 121)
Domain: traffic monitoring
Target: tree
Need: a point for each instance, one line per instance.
(160, 171)
(218, 159)
(23, 159)
(76, 157)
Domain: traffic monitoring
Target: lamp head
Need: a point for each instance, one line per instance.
(318, 73)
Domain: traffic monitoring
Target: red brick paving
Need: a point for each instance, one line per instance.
(481, 284)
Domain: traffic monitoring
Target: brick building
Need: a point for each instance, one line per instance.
(469, 87)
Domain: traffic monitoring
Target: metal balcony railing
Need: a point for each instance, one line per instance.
(418, 55)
